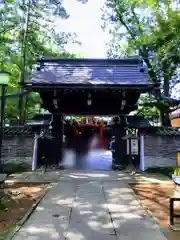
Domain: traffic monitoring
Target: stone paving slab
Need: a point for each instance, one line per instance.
(50, 220)
(139, 229)
(98, 208)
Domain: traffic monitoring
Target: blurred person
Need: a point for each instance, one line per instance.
(93, 141)
(81, 149)
(69, 133)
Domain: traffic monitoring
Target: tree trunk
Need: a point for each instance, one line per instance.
(23, 58)
(165, 119)
(25, 109)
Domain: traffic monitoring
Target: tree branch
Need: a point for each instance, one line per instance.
(143, 52)
(7, 29)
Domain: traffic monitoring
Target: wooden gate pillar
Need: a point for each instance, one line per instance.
(57, 133)
(119, 129)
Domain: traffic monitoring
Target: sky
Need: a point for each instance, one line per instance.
(85, 21)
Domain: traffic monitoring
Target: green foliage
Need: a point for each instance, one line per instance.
(10, 168)
(167, 171)
(27, 33)
(2, 205)
(147, 107)
(149, 29)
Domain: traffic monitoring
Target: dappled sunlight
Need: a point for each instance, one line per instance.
(18, 199)
(126, 177)
(77, 176)
(118, 191)
(155, 179)
(121, 174)
(94, 221)
(89, 175)
(40, 208)
(120, 208)
(46, 229)
(155, 198)
(130, 216)
(39, 233)
(65, 201)
(113, 196)
(99, 207)
(73, 234)
(11, 181)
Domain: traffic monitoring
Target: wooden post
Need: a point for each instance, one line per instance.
(120, 143)
(61, 139)
(57, 133)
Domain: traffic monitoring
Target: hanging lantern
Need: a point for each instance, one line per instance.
(123, 103)
(89, 101)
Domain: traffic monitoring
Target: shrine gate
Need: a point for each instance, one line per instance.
(90, 87)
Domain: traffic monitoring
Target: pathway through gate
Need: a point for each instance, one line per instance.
(95, 159)
(86, 205)
(88, 152)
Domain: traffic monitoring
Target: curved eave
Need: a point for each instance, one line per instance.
(143, 87)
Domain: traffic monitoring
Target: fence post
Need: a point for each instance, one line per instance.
(35, 151)
(142, 153)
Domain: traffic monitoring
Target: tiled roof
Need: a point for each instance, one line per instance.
(90, 71)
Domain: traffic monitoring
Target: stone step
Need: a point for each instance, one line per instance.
(3, 177)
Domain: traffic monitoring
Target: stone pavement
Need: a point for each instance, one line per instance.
(56, 176)
(90, 205)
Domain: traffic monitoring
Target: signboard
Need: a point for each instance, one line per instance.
(134, 147)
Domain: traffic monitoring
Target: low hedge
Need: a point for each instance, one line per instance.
(167, 171)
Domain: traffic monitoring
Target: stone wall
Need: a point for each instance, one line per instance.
(160, 150)
(17, 149)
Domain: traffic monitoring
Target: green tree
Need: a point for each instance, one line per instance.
(149, 112)
(151, 31)
(27, 33)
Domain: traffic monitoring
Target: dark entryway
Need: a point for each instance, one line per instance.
(86, 146)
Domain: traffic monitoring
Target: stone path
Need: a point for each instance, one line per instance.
(90, 205)
(56, 176)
